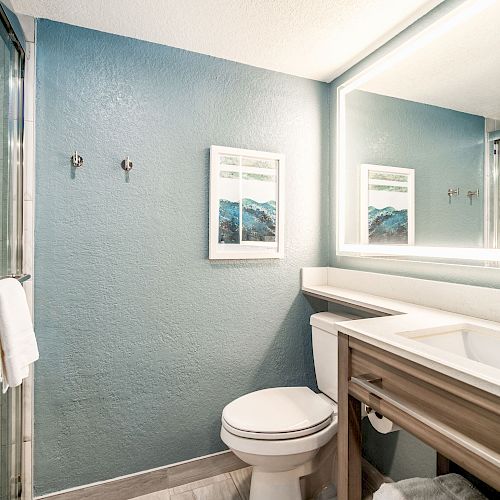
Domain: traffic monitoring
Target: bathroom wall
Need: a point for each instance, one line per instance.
(142, 339)
(444, 147)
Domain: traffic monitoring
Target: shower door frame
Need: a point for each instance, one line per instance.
(16, 145)
(13, 407)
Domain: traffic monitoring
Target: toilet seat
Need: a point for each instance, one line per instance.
(277, 435)
(277, 447)
(279, 413)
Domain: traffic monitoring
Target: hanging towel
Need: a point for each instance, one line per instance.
(17, 338)
(447, 487)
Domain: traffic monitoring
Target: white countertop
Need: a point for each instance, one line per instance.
(386, 332)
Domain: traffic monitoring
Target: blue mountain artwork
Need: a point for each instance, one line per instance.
(229, 221)
(258, 219)
(387, 225)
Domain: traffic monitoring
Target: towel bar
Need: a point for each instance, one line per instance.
(19, 277)
(365, 382)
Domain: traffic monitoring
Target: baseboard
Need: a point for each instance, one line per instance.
(149, 481)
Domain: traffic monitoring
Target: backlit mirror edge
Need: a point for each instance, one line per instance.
(452, 255)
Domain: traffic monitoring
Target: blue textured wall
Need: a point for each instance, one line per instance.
(443, 146)
(142, 339)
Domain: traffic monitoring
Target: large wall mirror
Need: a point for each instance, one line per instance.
(418, 142)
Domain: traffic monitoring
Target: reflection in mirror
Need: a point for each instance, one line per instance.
(418, 136)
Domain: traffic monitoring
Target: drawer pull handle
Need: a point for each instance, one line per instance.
(366, 382)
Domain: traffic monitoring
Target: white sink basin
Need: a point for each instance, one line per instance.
(468, 341)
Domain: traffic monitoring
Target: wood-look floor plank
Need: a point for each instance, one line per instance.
(157, 495)
(242, 479)
(199, 484)
(186, 495)
(221, 490)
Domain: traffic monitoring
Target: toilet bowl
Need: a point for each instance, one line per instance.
(280, 430)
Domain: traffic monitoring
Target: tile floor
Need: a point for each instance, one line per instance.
(234, 485)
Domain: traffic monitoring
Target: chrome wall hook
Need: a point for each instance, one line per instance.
(127, 164)
(76, 160)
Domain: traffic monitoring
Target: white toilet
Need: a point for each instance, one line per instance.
(280, 430)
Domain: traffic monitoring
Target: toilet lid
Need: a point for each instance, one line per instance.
(282, 410)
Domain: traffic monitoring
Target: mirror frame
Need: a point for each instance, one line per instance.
(413, 252)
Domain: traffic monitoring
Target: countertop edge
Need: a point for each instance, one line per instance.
(399, 317)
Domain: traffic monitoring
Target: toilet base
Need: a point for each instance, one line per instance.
(278, 465)
(275, 485)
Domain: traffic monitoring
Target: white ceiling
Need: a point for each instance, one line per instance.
(317, 39)
(459, 70)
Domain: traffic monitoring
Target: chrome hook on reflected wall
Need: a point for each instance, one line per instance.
(453, 192)
(127, 164)
(472, 194)
(76, 160)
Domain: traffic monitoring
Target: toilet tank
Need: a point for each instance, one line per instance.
(325, 351)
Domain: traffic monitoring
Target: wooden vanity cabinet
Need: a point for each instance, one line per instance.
(461, 422)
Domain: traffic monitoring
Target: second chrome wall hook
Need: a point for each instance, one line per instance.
(471, 194)
(76, 160)
(127, 164)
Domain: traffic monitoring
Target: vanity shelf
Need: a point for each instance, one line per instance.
(358, 300)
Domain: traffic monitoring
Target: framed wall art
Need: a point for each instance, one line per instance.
(247, 199)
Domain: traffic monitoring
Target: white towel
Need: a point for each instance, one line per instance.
(17, 338)
(447, 487)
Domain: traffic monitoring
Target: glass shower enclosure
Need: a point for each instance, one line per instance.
(11, 232)
(493, 211)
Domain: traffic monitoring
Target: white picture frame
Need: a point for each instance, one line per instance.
(247, 204)
(387, 192)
